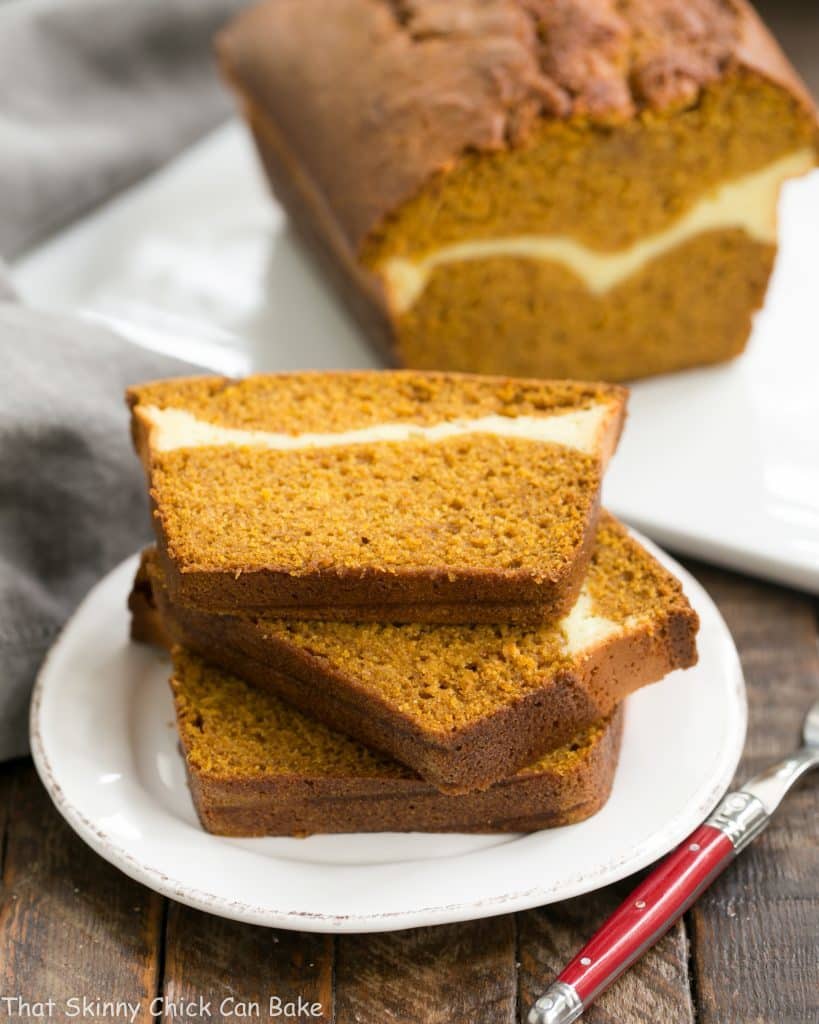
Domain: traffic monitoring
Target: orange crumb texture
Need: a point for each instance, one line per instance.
(479, 502)
(447, 677)
(231, 731)
(319, 402)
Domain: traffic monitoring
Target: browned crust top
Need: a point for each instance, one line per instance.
(373, 97)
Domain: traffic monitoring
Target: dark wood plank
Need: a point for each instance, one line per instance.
(444, 975)
(755, 933)
(655, 991)
(70, 924)
(8, 772)
(238, 969)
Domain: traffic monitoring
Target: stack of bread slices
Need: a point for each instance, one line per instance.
(392, 599)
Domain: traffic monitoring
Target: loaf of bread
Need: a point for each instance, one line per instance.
(553, 188)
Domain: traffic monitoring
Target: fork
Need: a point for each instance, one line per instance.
(664, 896)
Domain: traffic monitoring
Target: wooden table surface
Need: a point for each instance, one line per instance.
(71, 926)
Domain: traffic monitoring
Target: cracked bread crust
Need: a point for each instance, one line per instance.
(426, 81)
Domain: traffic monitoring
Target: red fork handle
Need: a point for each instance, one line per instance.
(657, 902)
(651, 909)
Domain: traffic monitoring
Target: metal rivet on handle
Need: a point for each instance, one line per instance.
(639, 904)
(585, 960)
(694, 847)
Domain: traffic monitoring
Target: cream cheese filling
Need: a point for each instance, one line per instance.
(583, 629)
(748, 203)
(584, 429)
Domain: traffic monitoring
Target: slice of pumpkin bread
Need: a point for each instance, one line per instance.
(258, 767)
(385, 496)
(464, 706)
(578, 188)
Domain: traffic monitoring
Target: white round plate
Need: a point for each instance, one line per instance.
(105, 747)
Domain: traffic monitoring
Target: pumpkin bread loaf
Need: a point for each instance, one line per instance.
(258, 767)
(387, 496)
(555, 188)
(463, 706)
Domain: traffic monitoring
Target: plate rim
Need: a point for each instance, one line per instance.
(650, 849)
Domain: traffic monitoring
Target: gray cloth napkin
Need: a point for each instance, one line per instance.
(72, 493)
(93, 95)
